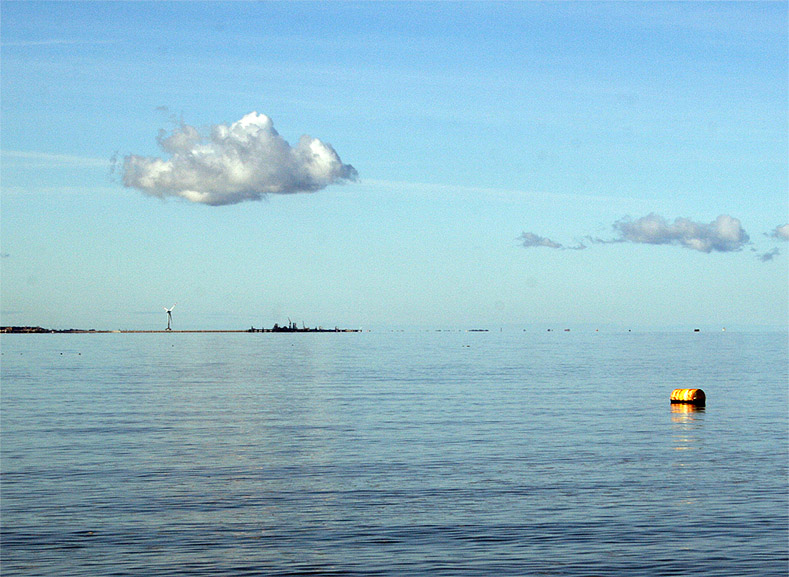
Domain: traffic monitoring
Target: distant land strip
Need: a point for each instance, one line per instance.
(275, 329)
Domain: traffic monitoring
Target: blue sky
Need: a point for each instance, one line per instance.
(490, 141)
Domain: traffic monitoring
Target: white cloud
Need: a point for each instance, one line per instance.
(724, 234)
(781, 232)
(243, 161)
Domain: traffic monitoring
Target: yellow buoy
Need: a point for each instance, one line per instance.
(689, 396)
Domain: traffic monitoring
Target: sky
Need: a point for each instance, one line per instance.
(381, 164)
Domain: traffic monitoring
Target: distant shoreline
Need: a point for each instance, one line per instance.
(276, 329)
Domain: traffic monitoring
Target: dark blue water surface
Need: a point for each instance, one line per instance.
(394, 453)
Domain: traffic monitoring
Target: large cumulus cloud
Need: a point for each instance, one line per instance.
(245, 160)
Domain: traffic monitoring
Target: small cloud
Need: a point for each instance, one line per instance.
(529, 239)
(781, 232)
(724, 234)
(768, 256)
(242, 161)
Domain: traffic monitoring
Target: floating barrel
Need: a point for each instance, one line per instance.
(689, 396)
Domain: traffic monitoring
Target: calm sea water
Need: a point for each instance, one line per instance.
(394, 453)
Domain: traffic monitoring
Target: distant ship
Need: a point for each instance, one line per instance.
(292, 327)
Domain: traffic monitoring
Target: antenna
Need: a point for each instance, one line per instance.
(169, 315)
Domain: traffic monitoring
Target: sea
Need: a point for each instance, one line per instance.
(394, 452)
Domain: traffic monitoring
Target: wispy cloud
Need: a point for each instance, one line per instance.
(26, 159)
(780, 233)
(513, 194)
(242, 161)
(768, 256)
(53, 42)
(28, 190)
(529, 239)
